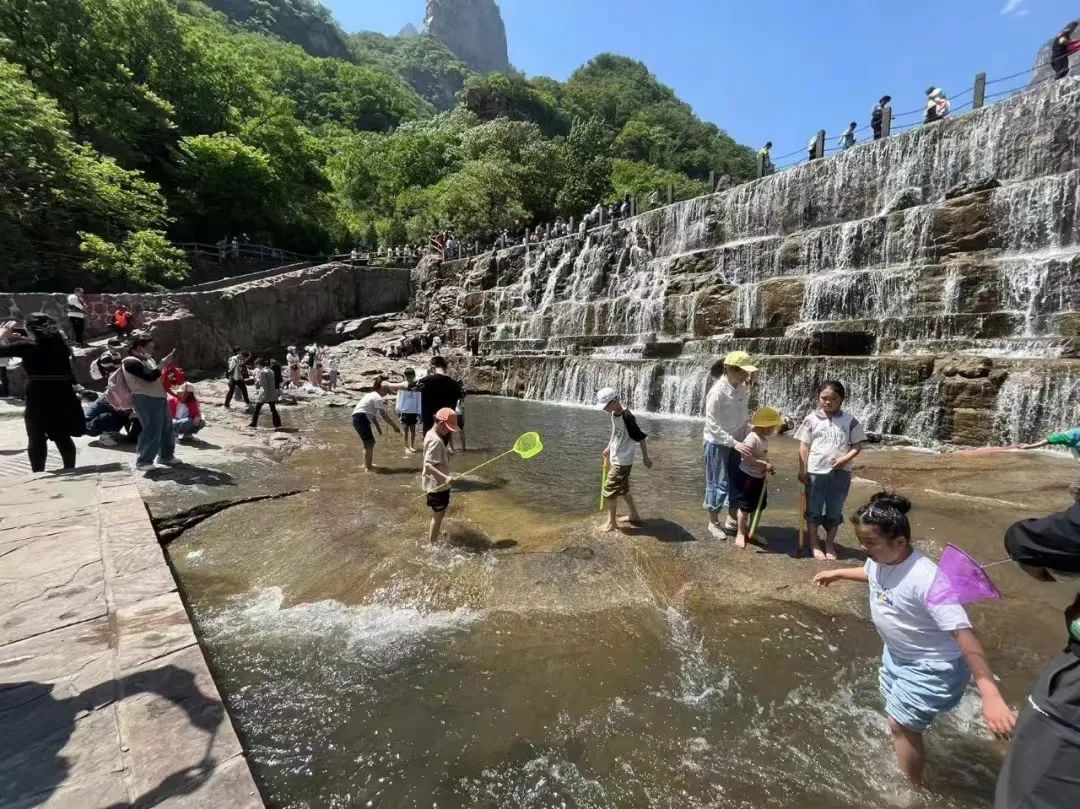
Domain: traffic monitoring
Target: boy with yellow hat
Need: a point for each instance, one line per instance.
(750, 488)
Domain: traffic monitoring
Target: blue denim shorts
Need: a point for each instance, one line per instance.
(825, 496)
(917, 691)
(721, 472)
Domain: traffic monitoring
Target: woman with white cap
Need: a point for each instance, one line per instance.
(727, 409)
(292, 359)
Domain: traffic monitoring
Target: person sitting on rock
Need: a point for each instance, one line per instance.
(122, 321)
(185, 412)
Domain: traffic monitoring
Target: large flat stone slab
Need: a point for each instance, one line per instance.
(150, 629)
(172, 721)
(84, 751)
(106, 700)
(51, 600)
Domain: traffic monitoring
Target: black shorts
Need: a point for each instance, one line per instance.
(362, 426)
(409, 419)
(439, 501)
(745, 492)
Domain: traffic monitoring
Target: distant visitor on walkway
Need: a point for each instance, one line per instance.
(847, 140)
(1062, 48)
(877, 117)
(76, 310)
(765, 159)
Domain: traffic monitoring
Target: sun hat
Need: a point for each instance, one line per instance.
(740, 359)
(448, 417)
(767, 417)
(606, 396)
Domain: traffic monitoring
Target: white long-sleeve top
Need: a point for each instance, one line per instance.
(726, 413)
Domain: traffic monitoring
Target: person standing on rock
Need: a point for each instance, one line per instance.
(727, 410)
(438, 390)
(1060, 50)
(76, 311)
(236, 378)
(143, 378)
(292, 359)
(267, 389)
(53, 412)
(877, 117)
(830, 439)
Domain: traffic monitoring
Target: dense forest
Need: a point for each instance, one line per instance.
(129, 125)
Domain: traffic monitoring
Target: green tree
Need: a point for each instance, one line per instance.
(480, 200)
(371, 237)
(224, 186)
(588, 167)
(144, 259)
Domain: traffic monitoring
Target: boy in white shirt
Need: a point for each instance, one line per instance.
(619, 455)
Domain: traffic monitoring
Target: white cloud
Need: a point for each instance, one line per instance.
(1015, 7)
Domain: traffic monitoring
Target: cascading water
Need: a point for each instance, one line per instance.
(812, 272)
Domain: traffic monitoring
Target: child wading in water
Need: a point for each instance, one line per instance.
(437, 479)
(626, 436)
(831, 438)
(365, 418)
(930, 653)
(750, 486)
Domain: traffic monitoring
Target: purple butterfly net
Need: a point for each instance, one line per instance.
(959, 580)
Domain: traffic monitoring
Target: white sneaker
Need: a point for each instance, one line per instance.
(170, 461)
(106, 441)
(144, 467)
(716, 531)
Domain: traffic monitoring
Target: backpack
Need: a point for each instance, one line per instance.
(117, 392)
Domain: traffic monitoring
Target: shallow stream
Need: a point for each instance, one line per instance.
(536, 662)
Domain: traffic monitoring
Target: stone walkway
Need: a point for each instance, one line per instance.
(106, 700)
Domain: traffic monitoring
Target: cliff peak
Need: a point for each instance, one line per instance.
(473, 30)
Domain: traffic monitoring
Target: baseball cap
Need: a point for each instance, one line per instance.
(448, 417)
(740, 359)
(767, 417)
(606, 396)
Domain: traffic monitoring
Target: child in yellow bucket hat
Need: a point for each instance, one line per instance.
(750, 489)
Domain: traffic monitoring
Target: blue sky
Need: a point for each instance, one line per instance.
(770, 69)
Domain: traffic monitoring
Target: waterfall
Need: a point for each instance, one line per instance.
(1036, 402)
(811, 273)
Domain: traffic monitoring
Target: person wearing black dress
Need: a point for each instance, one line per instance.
(52, 410)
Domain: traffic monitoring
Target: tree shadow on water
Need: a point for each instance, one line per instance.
(36, 726)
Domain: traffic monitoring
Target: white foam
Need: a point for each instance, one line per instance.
(372, 627)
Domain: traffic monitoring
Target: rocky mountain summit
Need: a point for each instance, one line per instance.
(473, 30)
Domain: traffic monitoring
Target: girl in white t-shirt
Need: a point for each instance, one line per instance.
(830, 439)
(930, 652)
